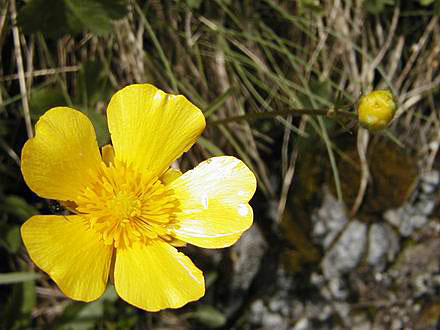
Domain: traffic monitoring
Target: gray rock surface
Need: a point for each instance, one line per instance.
(383, 245)
(329, 220)
(246, 256)
(406, 218)
(414, 214)
(303, 324)
(347, 251)
(247, 252)
(430, 181)
(369, 278)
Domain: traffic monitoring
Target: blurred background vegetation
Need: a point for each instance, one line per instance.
(233, 59)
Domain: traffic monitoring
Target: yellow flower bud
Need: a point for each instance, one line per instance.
(376, 109)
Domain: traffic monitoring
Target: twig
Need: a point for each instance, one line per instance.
(10, 152)
(43, 72)
(324, 35)
(22, 81)
(289, 176)
(385, 46)
(416, 51)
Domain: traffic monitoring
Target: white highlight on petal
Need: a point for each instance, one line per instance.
(242, 193)
(243, 210)
(205, 202)
(158, 96)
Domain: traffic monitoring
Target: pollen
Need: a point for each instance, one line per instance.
(125, 205)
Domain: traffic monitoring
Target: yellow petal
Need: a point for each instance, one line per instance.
(214, 202)
(73, 255)
(62, 156)
(108, 154)
(156, 276)
(150, 129)
(170, 175)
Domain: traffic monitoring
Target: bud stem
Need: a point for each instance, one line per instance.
(330, 112)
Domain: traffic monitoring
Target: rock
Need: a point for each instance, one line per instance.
(418, 221)
(411, 223)
(394, 216)
(329, 220)
(338, 288)
(412, 216)
(406, 218)
(343, 310)
(423, 284)
(274, 321)
(244, 261)
(418, 266)
(430, 182)
(426, 205)
(361, 322)
(383, 245)
(347, 251)
(303, 324)
(247, 253)
(262, 317)
(396, 324)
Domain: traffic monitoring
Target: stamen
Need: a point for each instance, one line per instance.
(125, 206)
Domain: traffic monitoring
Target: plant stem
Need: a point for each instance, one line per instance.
(331, 112)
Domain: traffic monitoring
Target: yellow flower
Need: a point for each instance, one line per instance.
(130, 208)
(376, 109)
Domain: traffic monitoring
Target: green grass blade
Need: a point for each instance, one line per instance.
(18, 277)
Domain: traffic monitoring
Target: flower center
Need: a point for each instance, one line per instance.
(124, 206)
